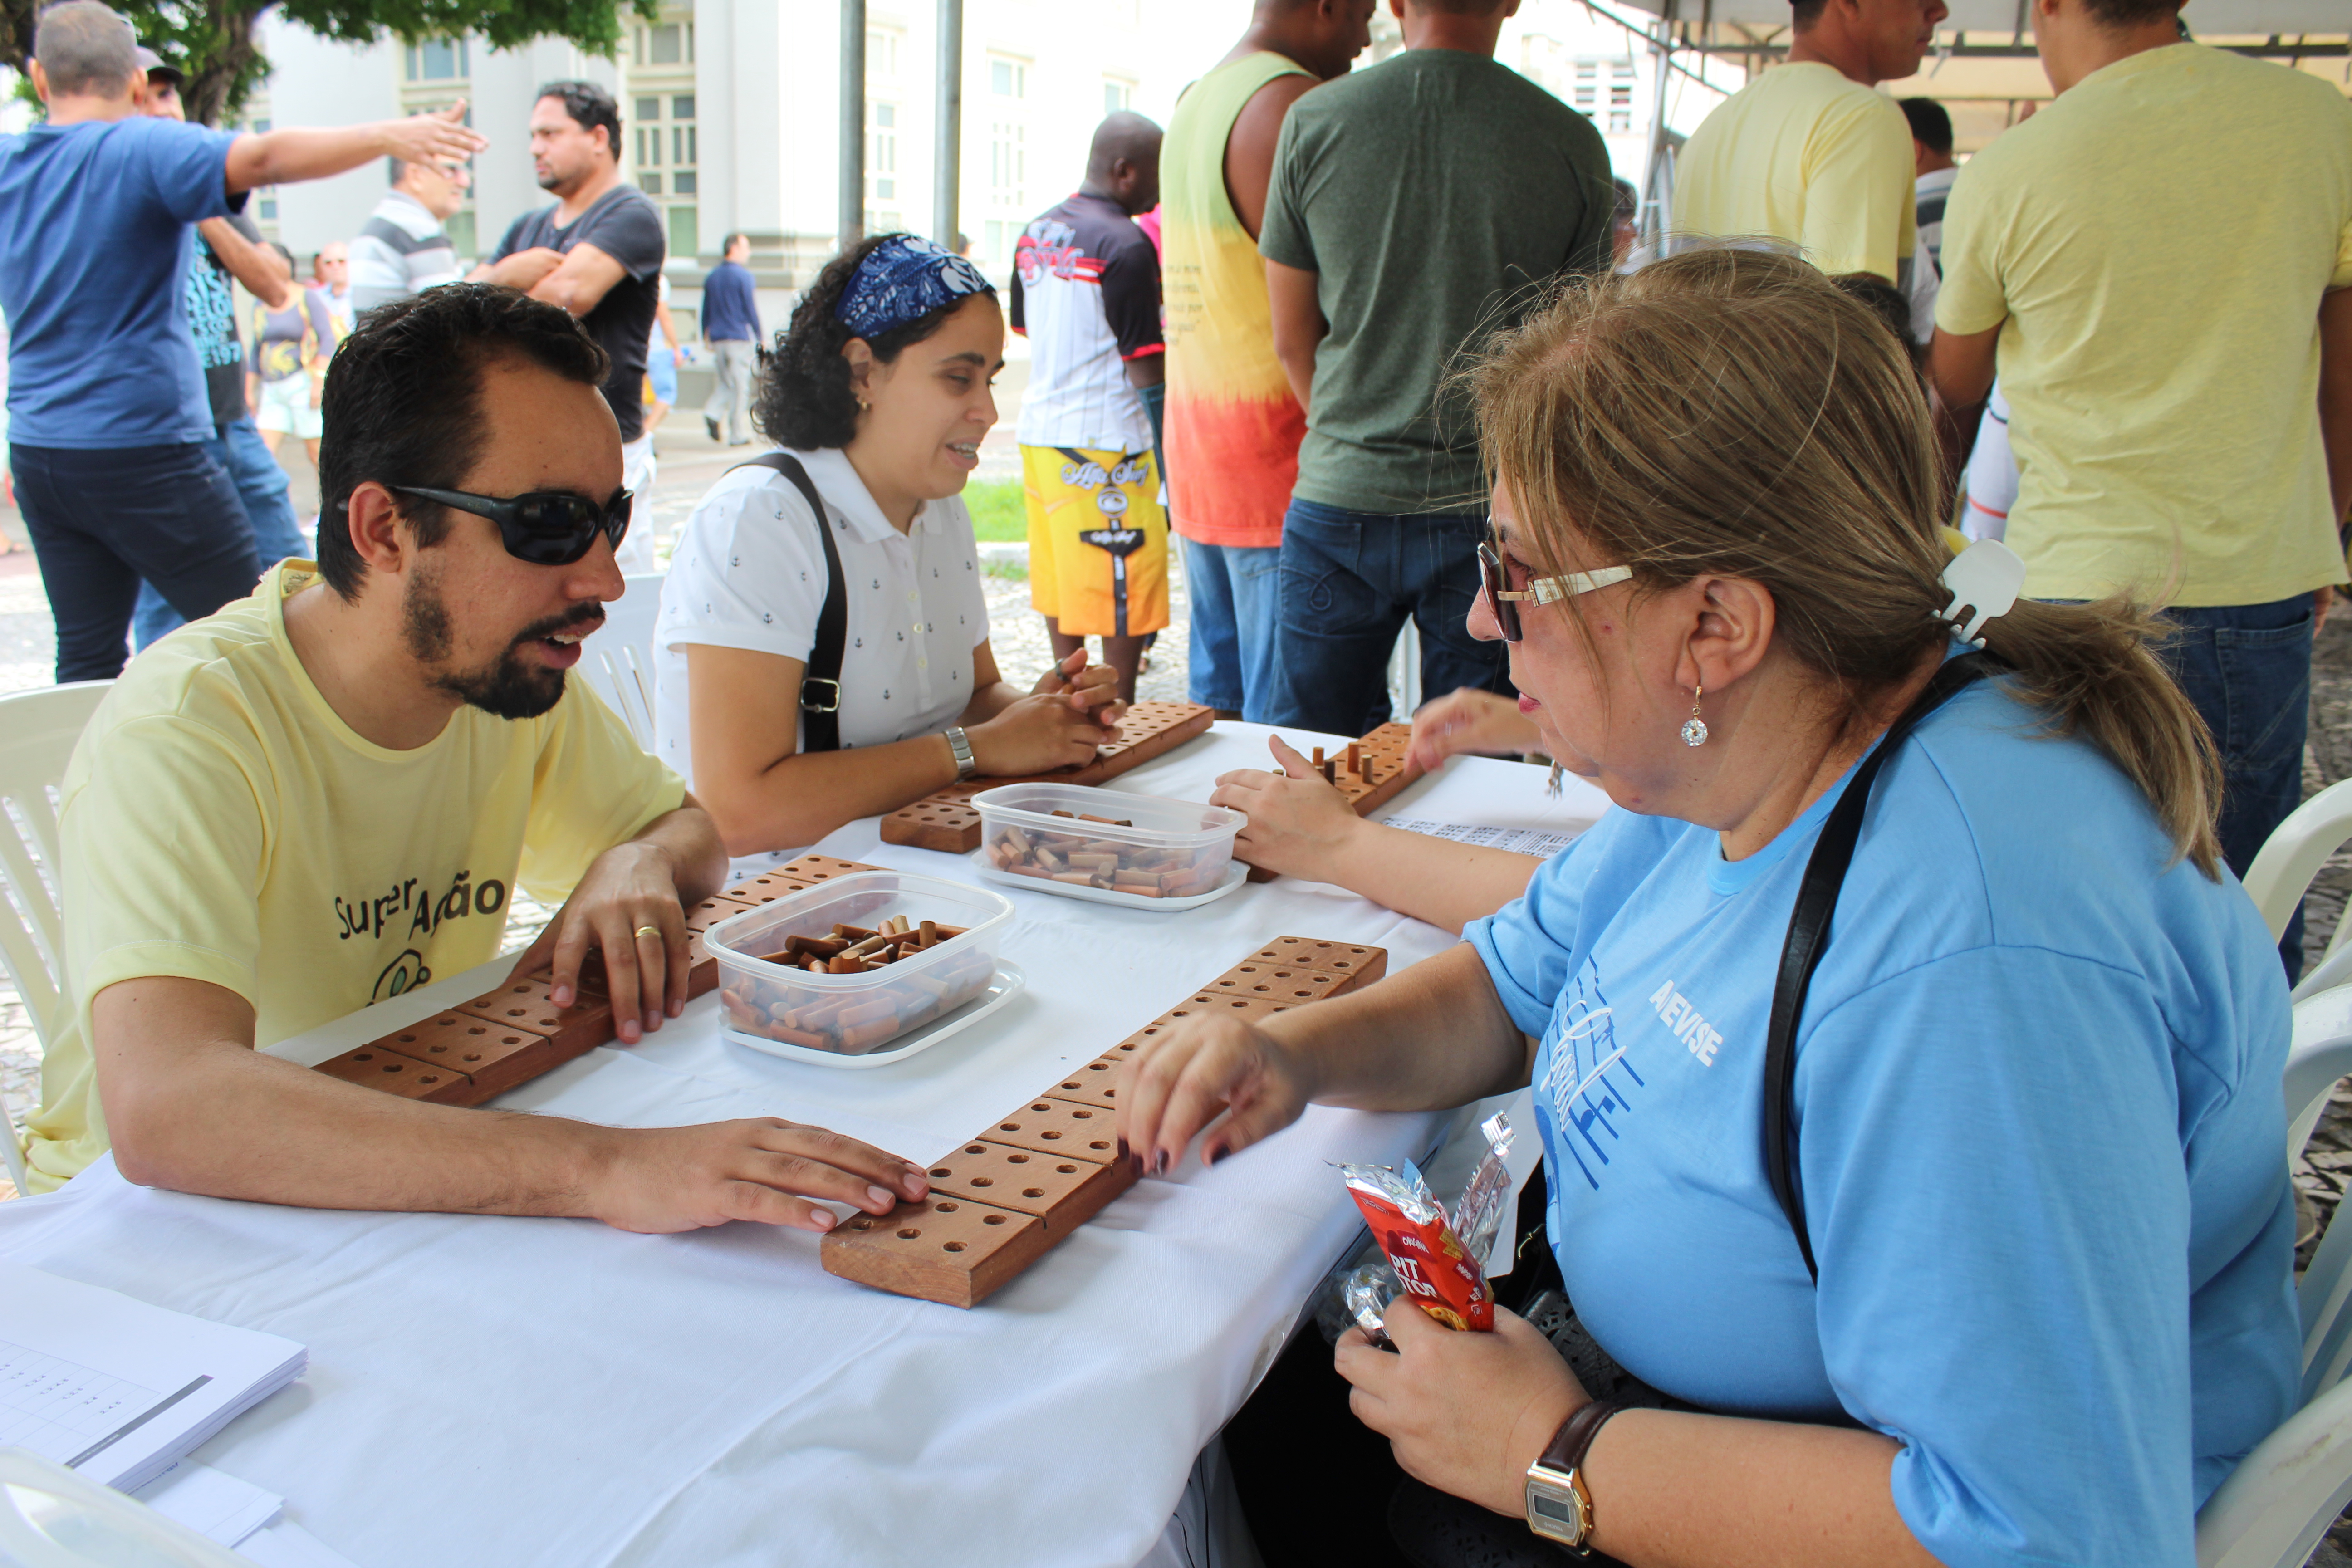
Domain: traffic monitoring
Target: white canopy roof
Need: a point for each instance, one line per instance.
(2207, 18)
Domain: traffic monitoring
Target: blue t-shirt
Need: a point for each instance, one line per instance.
(2040, 1138)
(95, 245)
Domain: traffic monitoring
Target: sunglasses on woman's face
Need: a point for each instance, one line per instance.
(1505, 601)
(546, 528)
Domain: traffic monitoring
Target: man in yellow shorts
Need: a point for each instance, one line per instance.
(1086, 292)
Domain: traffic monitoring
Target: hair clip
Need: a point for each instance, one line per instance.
(1983, 580)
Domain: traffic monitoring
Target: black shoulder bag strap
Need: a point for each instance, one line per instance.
(821, 682)
(1808, 935)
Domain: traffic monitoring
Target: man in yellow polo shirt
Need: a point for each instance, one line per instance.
(325, 794)
(2174, 432)
(1811, 153)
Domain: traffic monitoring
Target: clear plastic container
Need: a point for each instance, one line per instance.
(851, 1014)
(1069, 835)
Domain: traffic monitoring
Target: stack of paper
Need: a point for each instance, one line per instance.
(117, 1390)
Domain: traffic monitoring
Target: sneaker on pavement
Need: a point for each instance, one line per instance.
(712, 426)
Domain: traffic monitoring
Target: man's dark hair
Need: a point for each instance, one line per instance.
(1803, 14)
(1628, 206)
(728, 243)
(589, 106)
(403, 403)
(1885, 302)
(85, 49)
(804, 399)
(1931, 123)
(2121, 13)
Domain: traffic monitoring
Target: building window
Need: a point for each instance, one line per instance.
(685, 232)
(437, 59)
(882, 53)
(1118, 95)
(881, 152)
(1621, 97)
(669, 44)
(1587, 99)
(1008, 79)
(1008, 163)
(669, 147)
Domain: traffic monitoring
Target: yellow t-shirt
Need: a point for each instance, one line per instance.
(219, 823)
(2153, 246)
(1805, 155)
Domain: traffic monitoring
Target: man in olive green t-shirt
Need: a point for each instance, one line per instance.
(2182, 414)
(1416, 209)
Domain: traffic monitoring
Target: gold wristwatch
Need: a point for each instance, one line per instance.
(1560, 1506)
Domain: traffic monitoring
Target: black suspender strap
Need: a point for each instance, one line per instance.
(1808, 935)
(821, 682)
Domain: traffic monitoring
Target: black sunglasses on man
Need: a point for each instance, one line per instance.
(546, 528)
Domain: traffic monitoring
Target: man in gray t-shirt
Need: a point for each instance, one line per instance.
(1416, 209)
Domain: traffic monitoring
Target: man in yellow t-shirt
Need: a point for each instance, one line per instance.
(324, 795)
(1811, 155)
(2171, 423)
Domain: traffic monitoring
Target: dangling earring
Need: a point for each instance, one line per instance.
(1695, 727)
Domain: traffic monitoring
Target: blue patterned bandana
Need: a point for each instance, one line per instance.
(902, 279)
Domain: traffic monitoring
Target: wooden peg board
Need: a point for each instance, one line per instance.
(949, 823)
(514, 1033)
(1006, 1195)
(1384, 770)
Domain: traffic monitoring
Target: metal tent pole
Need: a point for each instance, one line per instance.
(853, 122)
(947, 158)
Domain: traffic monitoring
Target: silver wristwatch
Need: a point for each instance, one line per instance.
(961, 747)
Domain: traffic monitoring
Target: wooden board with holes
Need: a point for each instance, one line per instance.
(949, 823)
(1381, 769)
(514, 1032)
(1008, 1194)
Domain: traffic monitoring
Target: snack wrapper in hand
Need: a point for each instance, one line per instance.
(1478, 1214)
(1442, 1276)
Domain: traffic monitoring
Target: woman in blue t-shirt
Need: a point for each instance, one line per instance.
(2034, 1130)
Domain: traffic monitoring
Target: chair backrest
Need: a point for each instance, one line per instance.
(2292, 856)
(2281, 1497)
(37, 732)
(617, 659)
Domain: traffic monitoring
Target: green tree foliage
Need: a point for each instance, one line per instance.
(213, 41)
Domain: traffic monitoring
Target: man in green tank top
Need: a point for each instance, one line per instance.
(1233, 427)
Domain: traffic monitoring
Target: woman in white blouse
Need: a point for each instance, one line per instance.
(881, 392)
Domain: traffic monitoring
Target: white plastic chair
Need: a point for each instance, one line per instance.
(37, 732)
(2282, 871)
(617, 659)
(2283, 1497)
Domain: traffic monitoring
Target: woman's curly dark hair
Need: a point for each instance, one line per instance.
(804, 400)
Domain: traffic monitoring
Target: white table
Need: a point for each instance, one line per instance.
(511, 1392)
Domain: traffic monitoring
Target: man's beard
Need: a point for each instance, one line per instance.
(507, 687)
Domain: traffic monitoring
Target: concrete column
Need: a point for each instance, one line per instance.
(852, 193)
(947, 130)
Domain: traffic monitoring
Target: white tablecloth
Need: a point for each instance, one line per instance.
(506, 1392)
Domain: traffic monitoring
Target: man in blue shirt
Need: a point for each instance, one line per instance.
(730, 325)
(108, 412)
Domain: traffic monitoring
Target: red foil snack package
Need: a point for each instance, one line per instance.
(1444, 1279)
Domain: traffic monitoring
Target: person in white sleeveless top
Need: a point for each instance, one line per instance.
(881, 395)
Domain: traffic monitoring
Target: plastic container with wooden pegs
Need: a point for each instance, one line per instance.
(1108, 846)
(854, 1015)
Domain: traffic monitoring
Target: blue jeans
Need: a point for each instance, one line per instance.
(265, 490)
(1234, 593)
(102, 519)
(2248, 669)
(1349, 580)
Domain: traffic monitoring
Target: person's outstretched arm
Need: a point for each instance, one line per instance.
(295, 154)
(193, 1108)
(1301, 826)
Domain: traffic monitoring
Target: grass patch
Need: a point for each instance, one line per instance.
(1000, 510)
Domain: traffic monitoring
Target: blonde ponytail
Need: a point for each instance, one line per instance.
(1731, 412)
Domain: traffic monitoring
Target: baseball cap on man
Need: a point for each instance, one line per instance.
(152, 65)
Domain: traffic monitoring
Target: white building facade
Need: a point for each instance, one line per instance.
(730, 110)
